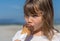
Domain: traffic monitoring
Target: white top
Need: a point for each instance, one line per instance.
(18, 36)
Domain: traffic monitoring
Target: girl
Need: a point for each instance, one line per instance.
(39, 22)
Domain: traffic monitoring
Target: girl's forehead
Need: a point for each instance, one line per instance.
(29, 13)
(34, 13)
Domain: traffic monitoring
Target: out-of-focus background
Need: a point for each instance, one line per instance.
(12, 17)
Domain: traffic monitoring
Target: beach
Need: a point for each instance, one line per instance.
(8, 31)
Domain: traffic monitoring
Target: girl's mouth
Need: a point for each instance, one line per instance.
(30, 27)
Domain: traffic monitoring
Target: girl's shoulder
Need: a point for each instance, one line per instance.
(56, 33)
(56, 36)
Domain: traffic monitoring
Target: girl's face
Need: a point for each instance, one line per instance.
(35, 21)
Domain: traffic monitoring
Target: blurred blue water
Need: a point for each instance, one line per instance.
(11, 11)
(15, 21)
(11, 21)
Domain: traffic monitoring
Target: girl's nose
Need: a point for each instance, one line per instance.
(30, 20)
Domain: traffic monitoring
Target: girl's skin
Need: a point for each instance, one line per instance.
(36, 21)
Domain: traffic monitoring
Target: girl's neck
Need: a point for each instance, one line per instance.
(40, 33)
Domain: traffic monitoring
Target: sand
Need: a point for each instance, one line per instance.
(8, 31)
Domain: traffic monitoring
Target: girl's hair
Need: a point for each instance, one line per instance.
(45, 8)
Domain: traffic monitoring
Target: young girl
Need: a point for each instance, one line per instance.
(39, 22)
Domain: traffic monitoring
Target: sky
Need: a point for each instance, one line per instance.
(12, 11)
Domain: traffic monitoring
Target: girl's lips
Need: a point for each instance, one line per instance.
(29, 25)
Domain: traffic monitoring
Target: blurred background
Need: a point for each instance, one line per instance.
(12, 17)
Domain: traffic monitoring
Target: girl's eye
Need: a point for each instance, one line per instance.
(34, 15)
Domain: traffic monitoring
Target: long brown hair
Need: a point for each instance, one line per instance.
(35, 7)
